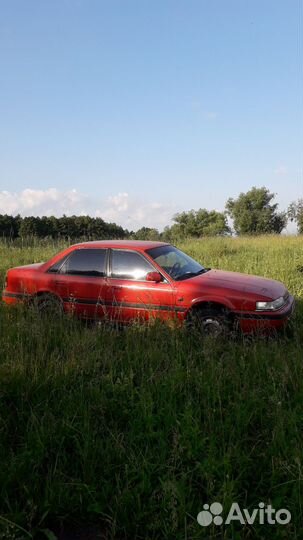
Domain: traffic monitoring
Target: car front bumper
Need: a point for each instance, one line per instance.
(271, 320)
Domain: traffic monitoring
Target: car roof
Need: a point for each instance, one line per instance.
(139, 245)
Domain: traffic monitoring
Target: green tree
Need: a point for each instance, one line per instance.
(71, 227)
(29, 226)
(9, 226)
(253, 213)
(198, 223)
(295, 213)
(146, 233)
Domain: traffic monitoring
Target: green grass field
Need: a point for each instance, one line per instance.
(131, 432)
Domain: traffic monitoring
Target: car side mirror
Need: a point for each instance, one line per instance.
(154, 276)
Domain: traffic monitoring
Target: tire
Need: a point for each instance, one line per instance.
(210, 321)
(49, 305)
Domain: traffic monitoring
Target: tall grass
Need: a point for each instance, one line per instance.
(133, 431)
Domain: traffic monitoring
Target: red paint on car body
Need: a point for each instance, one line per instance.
(112, 281)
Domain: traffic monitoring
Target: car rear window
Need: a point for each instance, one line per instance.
(85, 262)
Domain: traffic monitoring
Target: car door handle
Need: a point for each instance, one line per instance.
(59, 282)
(117, 287)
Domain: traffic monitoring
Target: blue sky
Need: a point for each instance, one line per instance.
(134, 110)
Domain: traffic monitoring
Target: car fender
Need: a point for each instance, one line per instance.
(42, 291)
(213, 299)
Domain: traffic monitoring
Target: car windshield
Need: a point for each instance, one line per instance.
(176, 263)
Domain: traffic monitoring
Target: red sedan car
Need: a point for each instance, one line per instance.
(128, 280)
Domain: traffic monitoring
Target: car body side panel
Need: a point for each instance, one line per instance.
(81, 295)
(128, 299)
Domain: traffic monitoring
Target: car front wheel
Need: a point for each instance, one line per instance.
(210, 321)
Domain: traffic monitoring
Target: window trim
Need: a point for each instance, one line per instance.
(111, 250)
(69, 255)
(61, 262)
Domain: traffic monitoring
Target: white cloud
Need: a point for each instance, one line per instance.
(281, 170)
(197, 106)
(40, 202)
(134, 213)
(211, 115)
(123, 209)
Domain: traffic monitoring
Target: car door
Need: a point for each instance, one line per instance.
(81, 282)
(130, 295)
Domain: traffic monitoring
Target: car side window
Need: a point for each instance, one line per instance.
(56, 267)
(85, 262)
(129, 265)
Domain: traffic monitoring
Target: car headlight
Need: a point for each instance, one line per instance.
(270, 306)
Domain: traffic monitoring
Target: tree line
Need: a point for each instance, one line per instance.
(251, 213)
(73, 227)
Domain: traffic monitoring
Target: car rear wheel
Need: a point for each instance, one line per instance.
(210, 321)
(49, 305)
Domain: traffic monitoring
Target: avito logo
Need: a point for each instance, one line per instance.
(263, 514)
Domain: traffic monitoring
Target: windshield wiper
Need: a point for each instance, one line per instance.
(192, 274)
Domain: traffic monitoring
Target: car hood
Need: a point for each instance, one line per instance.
(33, 266)
(244, 283)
